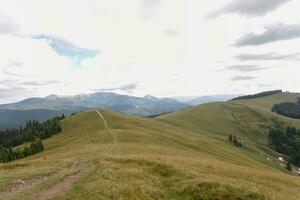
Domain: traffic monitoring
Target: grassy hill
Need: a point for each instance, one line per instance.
(182, 155)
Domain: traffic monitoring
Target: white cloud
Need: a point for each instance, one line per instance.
(175, 42)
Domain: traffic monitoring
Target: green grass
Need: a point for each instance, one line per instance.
(182, 155)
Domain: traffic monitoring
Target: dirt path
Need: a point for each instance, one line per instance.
(68, 181)
(111, 132)
(21, 185)
(62, 186)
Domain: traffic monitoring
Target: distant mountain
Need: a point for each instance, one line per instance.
(204, 99)
(140, 106)
(16, 118)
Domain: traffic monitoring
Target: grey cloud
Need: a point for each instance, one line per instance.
(125, 88)
(7, 72)
(269, 56)
(148, 8)
(242, 78)
(244, 68)
(16, 64)
(265, 85)
(128, 87)
(249, 8)
(12, 82)
(273, 33)
(9, 92)
(171, 33)
(8, 82)
(39, 83)
(15, 93)
(7, 25)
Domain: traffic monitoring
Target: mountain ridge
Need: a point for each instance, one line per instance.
(140, 106)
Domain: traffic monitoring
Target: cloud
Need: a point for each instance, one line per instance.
(269, 56)
(244, 68)
(242, 78)
(148, 8)
(250, 8)
(39, 83)
(7, 25)
(66, 48)
(12, 82)
(9, 94)
(171, 33)
(273, 33)
(265, 85)
(124, 88)
(8, 82)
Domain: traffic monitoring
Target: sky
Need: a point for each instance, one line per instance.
(138, 47)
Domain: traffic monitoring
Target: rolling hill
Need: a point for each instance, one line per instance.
(204, 99)
(101, 154)
(31, 109)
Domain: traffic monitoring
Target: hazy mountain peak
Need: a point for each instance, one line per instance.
(52, 97)
(148, 96)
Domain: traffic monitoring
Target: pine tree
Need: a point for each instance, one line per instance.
(230, 138)
(240, 144)
(235, 141)
(288, 166)
(27, 151)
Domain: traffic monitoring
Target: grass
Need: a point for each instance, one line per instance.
(215, 191)
(183, 155)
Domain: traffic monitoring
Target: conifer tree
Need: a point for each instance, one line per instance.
(288, 166)
(230, 137)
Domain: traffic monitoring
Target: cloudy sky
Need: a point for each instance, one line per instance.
(139, 47)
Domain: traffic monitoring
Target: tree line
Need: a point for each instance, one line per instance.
(8, 154)
(288, 109)
(33, 132)
(258, 95)
(286, 141)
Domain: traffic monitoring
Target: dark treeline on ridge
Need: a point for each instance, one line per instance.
(286, 141)
(258, 95)
(288, 109)
(32, 133)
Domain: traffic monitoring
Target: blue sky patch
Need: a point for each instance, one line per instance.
(66, 48)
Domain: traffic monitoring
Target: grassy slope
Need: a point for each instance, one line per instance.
(165, 158)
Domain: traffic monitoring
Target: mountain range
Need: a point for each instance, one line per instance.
(16, 114)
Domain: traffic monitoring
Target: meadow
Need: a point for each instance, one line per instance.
(181, 155)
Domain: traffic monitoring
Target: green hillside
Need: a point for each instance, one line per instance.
(182, 155)
(269, 101)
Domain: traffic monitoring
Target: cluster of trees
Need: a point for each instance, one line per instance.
(33, 132)
(233, 139)
(9, 154)
(32, 129)
(288, 109)
(262, 94)
(286, 142)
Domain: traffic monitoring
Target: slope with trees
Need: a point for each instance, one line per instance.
(258, 95)
(32, 133)
(288, 109)
(286, 141)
